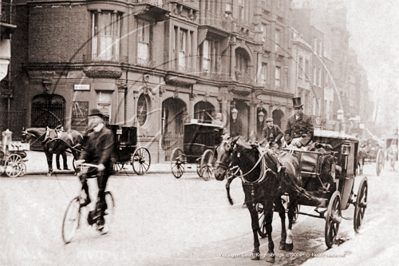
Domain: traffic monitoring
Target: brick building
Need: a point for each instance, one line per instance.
(154, 64)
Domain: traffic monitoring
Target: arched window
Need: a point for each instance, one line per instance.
(142, 109)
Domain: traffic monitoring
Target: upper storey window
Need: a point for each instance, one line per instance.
(143, 42)
(106, 34)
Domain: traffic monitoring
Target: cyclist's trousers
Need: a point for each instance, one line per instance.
(102, 179)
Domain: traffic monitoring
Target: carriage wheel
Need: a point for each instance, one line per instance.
(71, 220)
(118, 167)
(12, 165)
(22, 168)
(177, 162)
(360, 205)
(206, 165)
(379, 162)
(261, 219)
(141, 161)
(333, 219)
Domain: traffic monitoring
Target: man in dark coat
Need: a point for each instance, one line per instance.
(98, 150)
(272, 134)
(299, 130)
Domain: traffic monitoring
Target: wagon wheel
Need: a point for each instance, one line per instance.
(333, 219)
(261, 219)
(177, 162)
(379, 162)
(199, 169)
(12, 165)
(141, 161)
(360, 205)
(22, 168)
(118, 167)
(206, 164)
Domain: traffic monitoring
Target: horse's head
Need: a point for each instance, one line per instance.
(234, 152)
(32, 133)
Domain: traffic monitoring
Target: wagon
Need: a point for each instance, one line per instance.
(199, 144)
(389, 154)
(333, 189)
(126, 150)
(12, 158)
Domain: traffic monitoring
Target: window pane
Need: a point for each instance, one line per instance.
(143, 51)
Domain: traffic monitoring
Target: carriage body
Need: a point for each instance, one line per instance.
(199, 145)
(200, 137)
(345, 149)
(341, 176)
(126, 150)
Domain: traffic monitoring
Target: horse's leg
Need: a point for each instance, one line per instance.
(57, 160)
(281, 211)
(291, 213)
(49, 156)
(64, 158)
(228, 189)
(268, 209)
(255, 228)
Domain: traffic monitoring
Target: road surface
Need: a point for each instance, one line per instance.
(160, 220)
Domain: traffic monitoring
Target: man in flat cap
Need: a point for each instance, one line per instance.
(272, 134)
(299, 130)
(98, 150)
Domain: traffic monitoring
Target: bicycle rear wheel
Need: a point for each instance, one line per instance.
(110, 211)
(71, 220)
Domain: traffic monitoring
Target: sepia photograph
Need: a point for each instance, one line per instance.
(199, 132)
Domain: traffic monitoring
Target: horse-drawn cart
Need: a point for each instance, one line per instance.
(200, 142)
(333, 188)
(12, 156)
(126, 150)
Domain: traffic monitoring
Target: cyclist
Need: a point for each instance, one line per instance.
(98, 150)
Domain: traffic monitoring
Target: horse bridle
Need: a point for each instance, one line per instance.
(242, 176)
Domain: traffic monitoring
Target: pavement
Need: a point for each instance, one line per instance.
(36, 163)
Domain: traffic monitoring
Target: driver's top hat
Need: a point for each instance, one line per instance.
(296, 101)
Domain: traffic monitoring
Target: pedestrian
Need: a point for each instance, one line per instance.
(58, 131)
(299, 130)
(98, 150)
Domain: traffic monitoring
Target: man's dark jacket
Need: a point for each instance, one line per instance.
(301, 128)
(273, 134)
(99, 147)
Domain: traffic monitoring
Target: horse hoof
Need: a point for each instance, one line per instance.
(289, 247)
(48, 174)
(283, 246)
(270, 257)
(255, 256)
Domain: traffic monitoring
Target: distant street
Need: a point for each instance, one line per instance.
(161, 220)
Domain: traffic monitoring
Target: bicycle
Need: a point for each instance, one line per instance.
(73, 213)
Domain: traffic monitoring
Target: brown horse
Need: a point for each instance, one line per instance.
(54, 143)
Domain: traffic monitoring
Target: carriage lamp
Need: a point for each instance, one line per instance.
(261, 115)
(234, 113)
(346, 149)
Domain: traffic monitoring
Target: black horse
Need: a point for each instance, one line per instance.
(54, 143)
(264, 184)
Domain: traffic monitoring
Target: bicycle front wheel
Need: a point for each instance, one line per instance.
(71, 220)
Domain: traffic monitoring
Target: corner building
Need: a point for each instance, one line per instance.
(153, 64)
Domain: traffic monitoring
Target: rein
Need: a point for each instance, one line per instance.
(261, 177)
